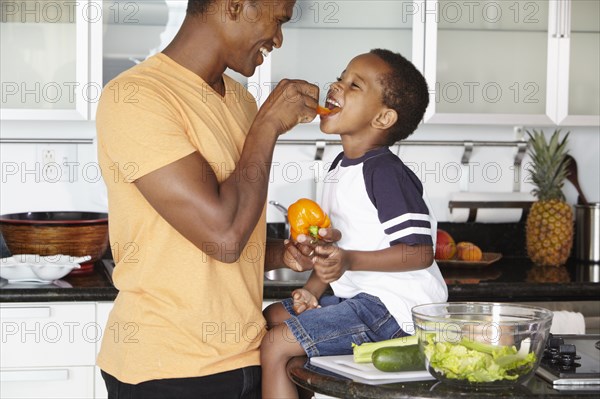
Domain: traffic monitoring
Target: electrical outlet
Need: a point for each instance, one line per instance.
(58, 162)
(48, 156)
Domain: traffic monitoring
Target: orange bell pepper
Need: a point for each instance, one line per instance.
(306, 217)
(326, 111)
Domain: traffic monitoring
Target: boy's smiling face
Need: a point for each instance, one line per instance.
(359, 93)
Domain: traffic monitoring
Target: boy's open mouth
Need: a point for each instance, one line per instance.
(331, 104)
(331, 107)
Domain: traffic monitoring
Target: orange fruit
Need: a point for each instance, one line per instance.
(468, 251)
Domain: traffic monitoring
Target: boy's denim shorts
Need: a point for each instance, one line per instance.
(340, 322)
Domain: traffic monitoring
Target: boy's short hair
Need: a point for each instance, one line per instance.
(405, 91)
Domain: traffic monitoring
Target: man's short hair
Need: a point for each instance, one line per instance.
(196, 7)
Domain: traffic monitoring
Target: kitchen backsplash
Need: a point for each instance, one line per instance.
(28, 186)
(295, 172)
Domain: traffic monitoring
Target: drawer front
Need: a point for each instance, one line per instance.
(47, 383)
(47, 335)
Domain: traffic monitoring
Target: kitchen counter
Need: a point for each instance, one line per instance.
(508, 280)
(511, 279)
(94, 287)
(322, 381)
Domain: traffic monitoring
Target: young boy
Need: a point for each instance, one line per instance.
(383, 265)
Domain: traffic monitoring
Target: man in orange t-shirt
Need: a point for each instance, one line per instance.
(185, 155)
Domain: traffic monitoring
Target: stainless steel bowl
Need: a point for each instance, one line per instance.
(287, 276)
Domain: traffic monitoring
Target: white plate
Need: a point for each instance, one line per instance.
(366, 372)
(36, 268)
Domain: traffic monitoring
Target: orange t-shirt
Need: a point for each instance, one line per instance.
(179, 312)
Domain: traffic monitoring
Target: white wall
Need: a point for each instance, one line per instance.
(25, 187)
(28, 186)
(437, 167)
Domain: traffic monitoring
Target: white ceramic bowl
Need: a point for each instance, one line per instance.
(37, 268)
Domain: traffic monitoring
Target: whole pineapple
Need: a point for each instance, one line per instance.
(550, 221)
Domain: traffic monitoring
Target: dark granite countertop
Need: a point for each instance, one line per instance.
(96, 286)
(322, 381)
(508, 280)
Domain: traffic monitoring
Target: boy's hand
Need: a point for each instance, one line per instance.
(300, 255)
(326, 235)
(330, 262)
(304, 300)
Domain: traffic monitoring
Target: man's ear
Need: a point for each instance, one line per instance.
(233, 8)
(385, 119)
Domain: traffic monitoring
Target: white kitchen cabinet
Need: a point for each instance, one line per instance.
(48, 334)
(48, 350)
(50, 59)
(47, 383)
(516, 62)
(323, 36)
(150, 24)
(582, 48)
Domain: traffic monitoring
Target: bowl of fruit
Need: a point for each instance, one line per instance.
(481, 344)
(448, 252)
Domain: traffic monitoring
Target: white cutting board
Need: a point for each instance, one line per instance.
(366, 372)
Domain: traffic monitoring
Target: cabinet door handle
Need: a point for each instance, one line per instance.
(557, 6)
(567, 19)
(25, 313)
(34, 375)
(563, 19)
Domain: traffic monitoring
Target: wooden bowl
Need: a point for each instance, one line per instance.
(53, 233)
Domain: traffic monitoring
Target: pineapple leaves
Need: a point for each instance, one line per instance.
(549, 167)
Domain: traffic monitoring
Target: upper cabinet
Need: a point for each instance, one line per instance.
(517, 62)
(581, 93)
(513, 62)
(50, 59)
(323, 36)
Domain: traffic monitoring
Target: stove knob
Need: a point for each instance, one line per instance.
(555, 342)
(567, 360)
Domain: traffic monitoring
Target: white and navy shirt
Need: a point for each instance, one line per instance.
(376, 201)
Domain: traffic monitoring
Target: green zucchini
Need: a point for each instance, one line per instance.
(399, 358)
(363, 353)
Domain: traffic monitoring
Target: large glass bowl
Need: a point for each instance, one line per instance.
(481, 344)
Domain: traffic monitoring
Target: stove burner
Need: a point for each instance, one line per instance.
(571, 362)
(560, 356)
